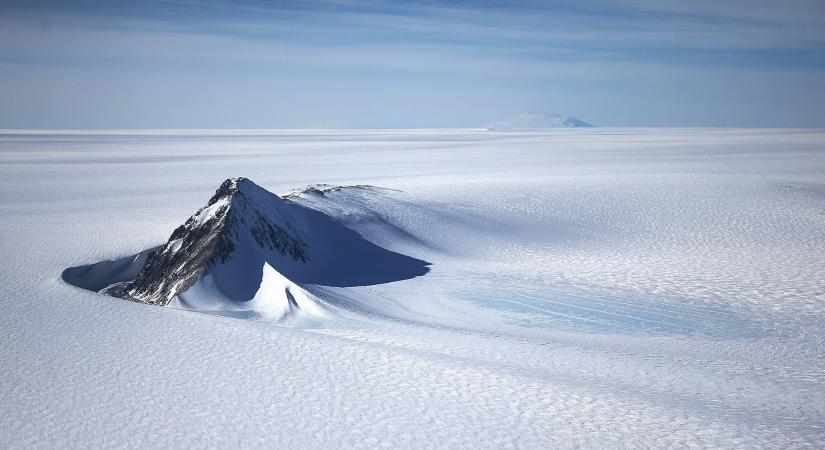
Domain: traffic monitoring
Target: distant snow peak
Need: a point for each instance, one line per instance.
(532, 120)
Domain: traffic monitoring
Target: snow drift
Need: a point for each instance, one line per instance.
(247, 253)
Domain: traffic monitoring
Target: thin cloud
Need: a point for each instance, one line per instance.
(530, 51)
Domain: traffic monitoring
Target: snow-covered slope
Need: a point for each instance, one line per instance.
(532, 120)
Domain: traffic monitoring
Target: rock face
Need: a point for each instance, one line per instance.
(239, 213)
(537, 121)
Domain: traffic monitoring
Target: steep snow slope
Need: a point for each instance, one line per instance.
(592, 287)
(532, 120)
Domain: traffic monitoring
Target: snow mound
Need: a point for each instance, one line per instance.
(247, 253)
(277, 298)
(532, 120)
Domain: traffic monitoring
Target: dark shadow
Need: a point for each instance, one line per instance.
(100, 275)
(347, 259)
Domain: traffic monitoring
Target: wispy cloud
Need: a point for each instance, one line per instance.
(543, 47)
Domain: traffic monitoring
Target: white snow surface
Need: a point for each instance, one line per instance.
(588, 288)
(207, 213)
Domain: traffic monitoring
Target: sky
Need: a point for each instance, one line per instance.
(375, 64)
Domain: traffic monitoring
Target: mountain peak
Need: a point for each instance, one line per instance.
(532, 120)
(249, 251)
(238, 185)
(240, 216)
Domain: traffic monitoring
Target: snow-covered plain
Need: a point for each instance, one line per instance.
(587, 287)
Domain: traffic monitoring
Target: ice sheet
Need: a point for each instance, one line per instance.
(600, 288)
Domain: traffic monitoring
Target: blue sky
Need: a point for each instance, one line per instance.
(214, 64)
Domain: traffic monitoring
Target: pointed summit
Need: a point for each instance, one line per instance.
(532, 120)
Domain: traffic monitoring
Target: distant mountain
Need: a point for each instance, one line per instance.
(537, 121)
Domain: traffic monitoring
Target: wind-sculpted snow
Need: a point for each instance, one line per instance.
(594, 288)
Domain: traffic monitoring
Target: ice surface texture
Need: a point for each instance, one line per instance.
(590, 287)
